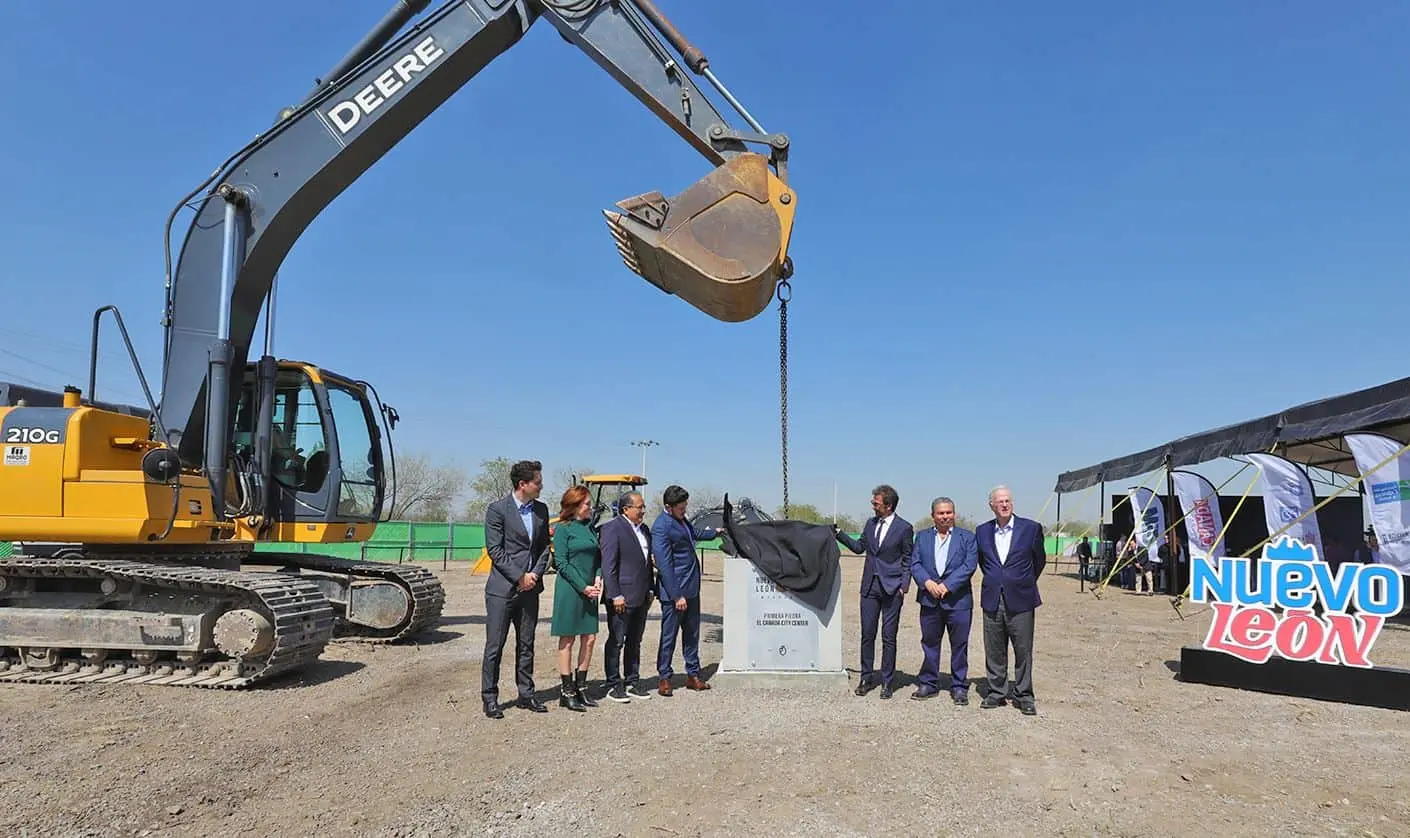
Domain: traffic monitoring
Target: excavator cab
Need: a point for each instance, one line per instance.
(721, 245)
(328, 453)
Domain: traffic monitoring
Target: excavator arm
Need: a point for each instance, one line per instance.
(721, 245)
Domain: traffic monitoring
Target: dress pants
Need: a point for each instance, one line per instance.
(686, 622)
(1001, 628)
(935, 624)
(877, 605)
(522, 611)
(624, 633)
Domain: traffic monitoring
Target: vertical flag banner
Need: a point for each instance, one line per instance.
(1387, 495)
(1150, 519)
(1287, 493)
(1199, 504)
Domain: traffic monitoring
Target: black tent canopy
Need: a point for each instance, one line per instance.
(1310, 434)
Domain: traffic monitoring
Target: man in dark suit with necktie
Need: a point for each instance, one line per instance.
(516, 537)
(886, 574)
(1012, 556)
(945, 560)
(627, 588)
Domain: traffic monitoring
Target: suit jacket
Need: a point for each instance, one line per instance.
(677, 565)
(1017, 577)
(626, 571)
(890, 562)
(961, 560)
(512, 552)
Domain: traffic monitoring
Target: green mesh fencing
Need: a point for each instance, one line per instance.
(400, 541)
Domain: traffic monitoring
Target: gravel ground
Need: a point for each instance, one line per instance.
(391, 741)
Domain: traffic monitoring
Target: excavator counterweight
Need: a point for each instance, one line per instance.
(721, 245)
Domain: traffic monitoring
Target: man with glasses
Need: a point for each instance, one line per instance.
(1012, 556)
(626, 579)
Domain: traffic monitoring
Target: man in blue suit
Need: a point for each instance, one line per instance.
(1012, 557)
(678, 587)
(945, 560)
(887, 539)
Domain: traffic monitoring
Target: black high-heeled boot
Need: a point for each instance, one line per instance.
(582, 689)
(568, 695)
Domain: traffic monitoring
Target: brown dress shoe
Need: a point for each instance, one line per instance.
(664, 688)
(694, 683)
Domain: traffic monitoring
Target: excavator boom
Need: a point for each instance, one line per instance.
(137, 530)
(721, 245)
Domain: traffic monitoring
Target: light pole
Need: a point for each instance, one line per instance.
(644, 444)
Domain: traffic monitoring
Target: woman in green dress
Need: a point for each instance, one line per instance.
(575, 595)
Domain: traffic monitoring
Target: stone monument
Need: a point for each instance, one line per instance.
(775, 637)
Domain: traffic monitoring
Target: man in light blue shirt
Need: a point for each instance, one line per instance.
(946, 558)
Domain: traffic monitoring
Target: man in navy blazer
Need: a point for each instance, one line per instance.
(945, 560)
(886, 575)
(1012, 556)
(627, 587)
(678, 588)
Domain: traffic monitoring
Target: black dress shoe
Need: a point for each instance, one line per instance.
(961, 698)
(492, 710)
(991, 701)
(864, 687)
(923, 693)
(1027, 708)
(885, 691)
(531, 703)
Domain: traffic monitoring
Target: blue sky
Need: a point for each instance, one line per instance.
(1029, 237)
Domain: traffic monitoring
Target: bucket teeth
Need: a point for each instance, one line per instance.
(624, 242)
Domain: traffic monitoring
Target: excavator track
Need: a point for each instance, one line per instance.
(422, 589)
(284, 620)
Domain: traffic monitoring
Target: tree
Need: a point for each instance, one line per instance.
(706, 497)
(425, 492)
(562, 479)
(811, 514)
(1074, 528)
(491, 484)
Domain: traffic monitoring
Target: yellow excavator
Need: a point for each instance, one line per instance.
(135, 527)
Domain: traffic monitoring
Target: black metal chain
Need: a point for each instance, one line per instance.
(785, 293)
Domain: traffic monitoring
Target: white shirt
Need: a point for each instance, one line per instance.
(881, 528)
(640, 537)
(1002, 536)
(942, 553)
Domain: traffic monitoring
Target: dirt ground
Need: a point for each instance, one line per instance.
(392, 741)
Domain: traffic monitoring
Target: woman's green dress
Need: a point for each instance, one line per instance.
(579, 562)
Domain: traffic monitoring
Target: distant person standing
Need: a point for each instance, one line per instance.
(887, 541)
(575, 595)
(516, 537)
(1011, 557)
(678, 587)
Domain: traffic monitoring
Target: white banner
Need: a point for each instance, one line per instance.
(1387, 495)
(1287, 494)
(1199, 504)
(1149, 515)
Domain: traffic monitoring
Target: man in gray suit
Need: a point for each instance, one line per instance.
(516, 537)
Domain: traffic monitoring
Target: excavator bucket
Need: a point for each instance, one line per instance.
(721, 245)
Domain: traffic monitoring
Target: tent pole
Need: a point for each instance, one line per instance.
(1172, 564)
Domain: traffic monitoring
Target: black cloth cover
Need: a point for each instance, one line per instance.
(800, 557)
